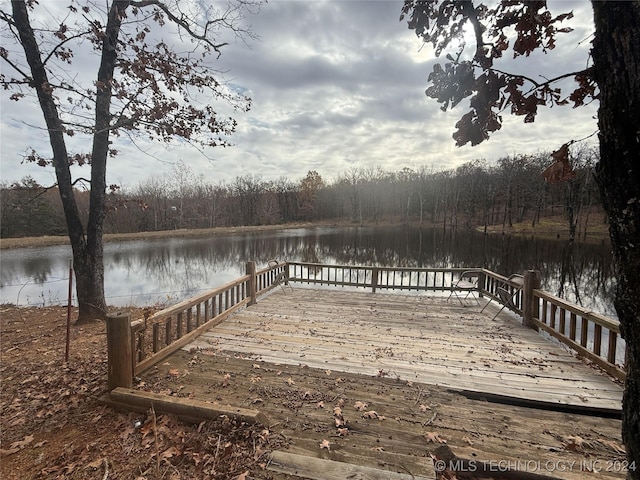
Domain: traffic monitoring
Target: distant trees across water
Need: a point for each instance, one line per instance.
(478, 193)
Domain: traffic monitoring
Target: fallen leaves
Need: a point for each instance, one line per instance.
(15, 447)
(434, 437)
(338, 418)
(360, 406)
(53, 426)
(20, 444)
(612, 445)
(467, 440)
(373, 415)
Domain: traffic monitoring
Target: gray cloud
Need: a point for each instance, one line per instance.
(335, 84)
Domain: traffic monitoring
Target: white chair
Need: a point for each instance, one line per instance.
(507, 293)
(281, 278)
(466, 283)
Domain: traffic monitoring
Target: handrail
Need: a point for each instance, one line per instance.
(174, 327)
(593, 329)
(489, 283)
(376, 278)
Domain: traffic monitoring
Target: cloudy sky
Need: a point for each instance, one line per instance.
(335, 85)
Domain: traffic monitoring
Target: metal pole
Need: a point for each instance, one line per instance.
(66, 351)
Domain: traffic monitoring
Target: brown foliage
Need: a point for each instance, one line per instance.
(54, 427)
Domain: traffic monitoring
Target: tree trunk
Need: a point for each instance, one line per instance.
(87, 249)
(616, 55)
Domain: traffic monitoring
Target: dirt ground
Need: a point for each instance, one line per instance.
(53, 426)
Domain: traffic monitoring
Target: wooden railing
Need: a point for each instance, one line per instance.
(592, 335)
(136, 346)
(172, 328)
(537, 308)
(375, 278)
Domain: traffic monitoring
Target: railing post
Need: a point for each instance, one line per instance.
(529, 302)
(119, 352)
(287, 273)
(374, 279)
(482, 283)
(251, 270)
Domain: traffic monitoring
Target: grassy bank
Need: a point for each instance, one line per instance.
(549, 227)
(122, 237)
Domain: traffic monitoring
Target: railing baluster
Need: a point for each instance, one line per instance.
(613, 346)
(167, 331)
(572, 326)
(597, 339)
(155, 329)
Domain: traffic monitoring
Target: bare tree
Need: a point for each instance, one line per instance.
(143, 86)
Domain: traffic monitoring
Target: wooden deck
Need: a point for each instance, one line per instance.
(406, 374)
(415, 338)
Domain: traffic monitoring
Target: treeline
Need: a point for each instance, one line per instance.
(478, 193)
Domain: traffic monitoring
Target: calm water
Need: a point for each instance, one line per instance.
(168, 270)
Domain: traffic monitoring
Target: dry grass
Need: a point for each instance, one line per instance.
(121, 237)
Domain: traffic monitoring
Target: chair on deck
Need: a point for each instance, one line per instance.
(507, 293)
(467, 283)
(281, 278)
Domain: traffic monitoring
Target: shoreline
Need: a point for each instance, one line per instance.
(46, 241)
(548, 232)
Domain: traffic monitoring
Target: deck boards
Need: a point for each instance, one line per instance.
(418, 338)
(297, 356)
(299, 404)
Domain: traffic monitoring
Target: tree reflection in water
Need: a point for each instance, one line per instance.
(169, 270)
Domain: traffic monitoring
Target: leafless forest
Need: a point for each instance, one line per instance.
(508, 191)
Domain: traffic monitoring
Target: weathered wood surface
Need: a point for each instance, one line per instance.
(414, 338)
(412, 418)
(185, 408)
(321, 469)
(297, 356)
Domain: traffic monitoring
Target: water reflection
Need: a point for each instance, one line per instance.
(166, 270)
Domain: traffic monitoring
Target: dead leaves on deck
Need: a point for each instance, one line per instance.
(340, 422)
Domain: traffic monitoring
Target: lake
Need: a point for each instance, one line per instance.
(164, 271)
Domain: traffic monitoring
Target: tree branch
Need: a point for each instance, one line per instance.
(5, 57)
(183, 23)
(59, 45)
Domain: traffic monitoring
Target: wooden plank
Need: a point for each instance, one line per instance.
(494, 372)
(182, 407)
(413, 338)
(491, 363)
(290, 396)
(585, 401)
(322, 469)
